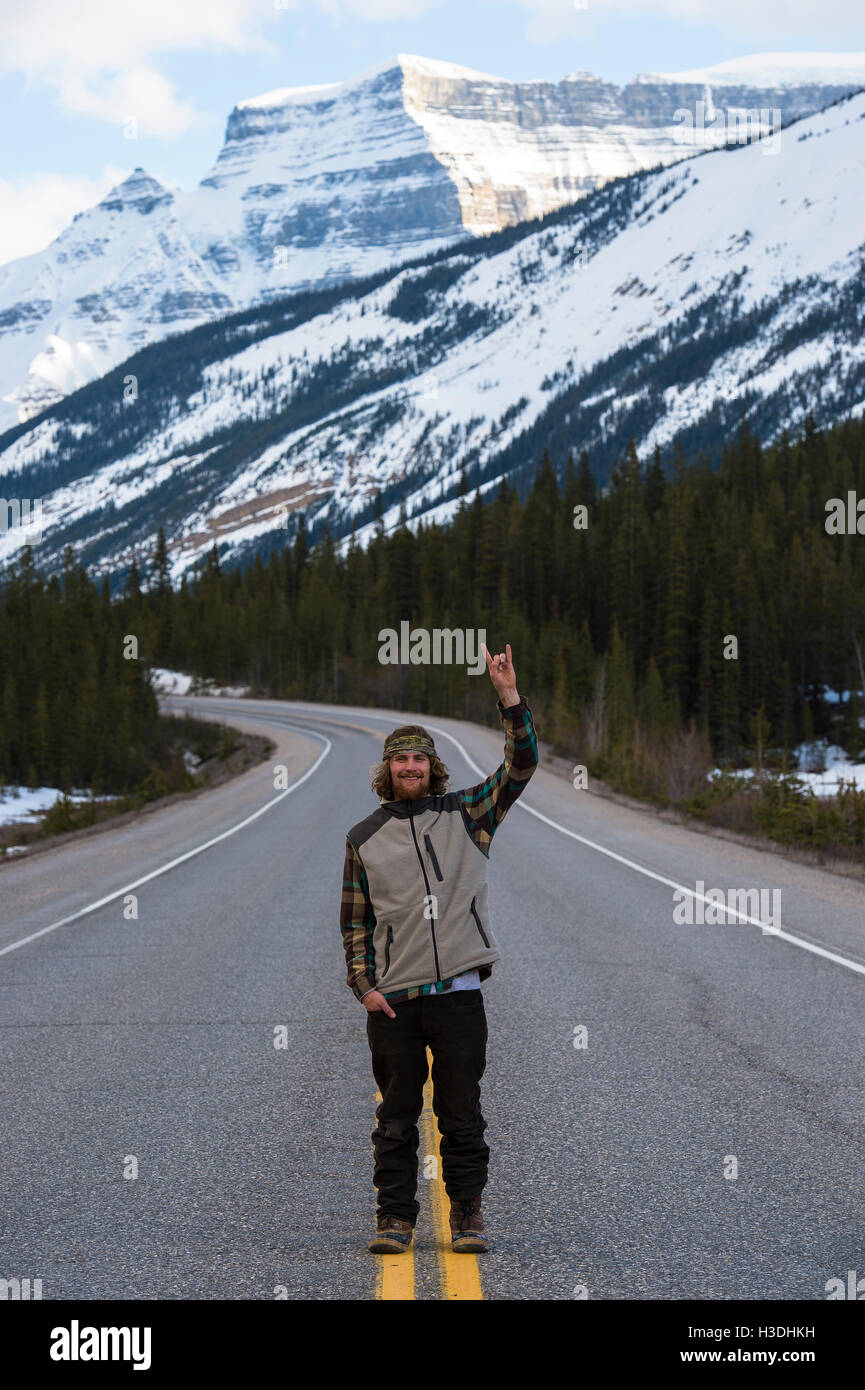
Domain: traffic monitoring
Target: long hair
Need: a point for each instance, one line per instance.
(380, 778)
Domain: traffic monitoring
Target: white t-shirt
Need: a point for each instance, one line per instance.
(470, 979)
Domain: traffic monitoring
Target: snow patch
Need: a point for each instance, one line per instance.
(166, 682)
(19, 804)
(772, 70)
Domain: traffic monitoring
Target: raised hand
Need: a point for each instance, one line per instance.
(501, 669)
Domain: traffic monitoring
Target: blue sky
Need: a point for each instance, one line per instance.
(71, 74)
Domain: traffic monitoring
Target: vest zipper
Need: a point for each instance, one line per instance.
(387, 948)
(478, 920)
(429, 894)
(432, 854)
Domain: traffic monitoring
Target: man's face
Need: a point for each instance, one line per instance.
(410, 774)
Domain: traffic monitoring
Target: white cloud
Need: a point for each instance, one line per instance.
(99, 55)
(140, 92)
(37, 207)
(362, 9)
(776, 23)
(45, 34)
(380, 9)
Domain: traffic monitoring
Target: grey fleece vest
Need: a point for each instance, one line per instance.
(428, 889)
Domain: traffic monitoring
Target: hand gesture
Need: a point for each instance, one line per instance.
(501, 669)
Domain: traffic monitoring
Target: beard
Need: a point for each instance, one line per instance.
(410, 790)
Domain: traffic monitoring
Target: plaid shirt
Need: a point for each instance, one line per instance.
(484, 806)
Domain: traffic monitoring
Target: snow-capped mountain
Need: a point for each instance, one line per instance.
(661, 306)
(124, 274)
(315, 185)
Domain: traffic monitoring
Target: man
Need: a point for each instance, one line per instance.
(418, 943)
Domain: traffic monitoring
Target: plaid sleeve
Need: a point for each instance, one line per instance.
(485, 806)
(356, 921)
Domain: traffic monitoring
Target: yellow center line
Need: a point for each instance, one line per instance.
(394, 1275)
(459, 1274)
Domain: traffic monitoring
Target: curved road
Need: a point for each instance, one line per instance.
(674, 1110)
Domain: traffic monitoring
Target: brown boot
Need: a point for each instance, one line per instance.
(467, 1226)
(392, 1235)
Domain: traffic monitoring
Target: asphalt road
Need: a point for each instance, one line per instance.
(145, 1045)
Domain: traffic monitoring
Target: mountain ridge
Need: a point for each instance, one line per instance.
(663, 307)
(412, 156)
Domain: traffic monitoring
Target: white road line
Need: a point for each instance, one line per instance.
(766, 928)
(659, 878)
(181, 859)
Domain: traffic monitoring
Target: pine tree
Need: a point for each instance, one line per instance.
(652, 709)
(621, 703)
(160, 577)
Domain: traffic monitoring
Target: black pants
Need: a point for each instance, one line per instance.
(455, 1026)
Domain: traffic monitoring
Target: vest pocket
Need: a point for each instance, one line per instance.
(387, 948)
(432, 854)
(480, 928)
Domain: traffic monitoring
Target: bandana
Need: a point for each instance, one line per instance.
(418, 743)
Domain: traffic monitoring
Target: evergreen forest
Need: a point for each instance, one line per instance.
(686, 617)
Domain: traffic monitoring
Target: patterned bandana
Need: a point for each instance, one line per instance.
(409, 743)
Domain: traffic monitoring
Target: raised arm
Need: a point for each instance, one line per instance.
(484, 806)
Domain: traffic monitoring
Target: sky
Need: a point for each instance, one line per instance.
(90, 89)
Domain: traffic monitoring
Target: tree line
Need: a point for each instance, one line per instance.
(681, 616)
(77, 709)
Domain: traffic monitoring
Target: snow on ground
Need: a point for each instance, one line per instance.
(169, 682)
(208, 688)
(26, 803)
(838, 767)
(166, 682)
